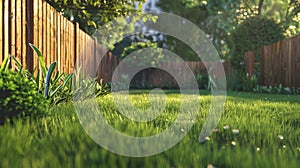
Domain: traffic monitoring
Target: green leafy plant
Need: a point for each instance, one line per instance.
(86, 87)
(239, 81)
(18, 94)
(57, 86)
(102, 88)
(202, 80)
(277, 90)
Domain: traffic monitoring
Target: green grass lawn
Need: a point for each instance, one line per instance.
(268, 135)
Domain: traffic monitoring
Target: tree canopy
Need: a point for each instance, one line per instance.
(220, 18)
(91, 14)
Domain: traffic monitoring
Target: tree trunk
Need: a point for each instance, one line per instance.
(261, 2)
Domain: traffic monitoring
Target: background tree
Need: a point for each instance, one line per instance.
(220, 18)
(92, 14)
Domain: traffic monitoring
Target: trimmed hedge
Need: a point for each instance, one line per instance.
(251, 35)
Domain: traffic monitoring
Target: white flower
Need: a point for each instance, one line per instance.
(226, 127)
(280, 137)
(210, 166)
(233, 143)
(235, 131)
(207, 138)
(257, 149)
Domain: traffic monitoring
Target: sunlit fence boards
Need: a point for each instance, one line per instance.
(34, 21)
(279, 63)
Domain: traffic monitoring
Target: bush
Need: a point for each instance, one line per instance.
(19, 95)
(239, 81)
(277, 90)
(251, 35)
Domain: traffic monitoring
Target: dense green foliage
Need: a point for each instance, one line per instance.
(251, 35)
(18, 94)
(277, 90)
(219, 18)
(239, 81)
(92, 14)
(268, 136)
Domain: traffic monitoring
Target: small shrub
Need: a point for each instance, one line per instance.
(19, 95)
(242, 82)
(55, 86)
(277, 90)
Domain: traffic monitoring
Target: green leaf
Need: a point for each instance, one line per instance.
(48, 77)
(56, 78)
(144, 19)
(71, 82)
(140, 6)
(5, 63)
(19, 65)
(66, 79)
(38, 52)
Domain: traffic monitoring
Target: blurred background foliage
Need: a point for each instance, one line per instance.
(233, 26)
(219, 19)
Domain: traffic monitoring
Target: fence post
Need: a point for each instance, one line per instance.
(249, 63)
(262, 66)
(75, 46)
(29, 34)
(1, 30)
(6, 27)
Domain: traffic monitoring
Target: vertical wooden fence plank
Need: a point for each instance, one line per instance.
(12, 31)
(297, 62)
(249, 63)
(77, 60)
(23, 33)
(62, 54)
(58, 42)
(29, 33)
(40, 25)
(289, 55)
(19, 30)
(76, 47)
(36, 33)
(72, 46)
(67, 46)
(45, 30)
(48, 36)
(293, 59)
(54, 38)
(51, 49)
(40, 32)
(6, 28)
(1, 31)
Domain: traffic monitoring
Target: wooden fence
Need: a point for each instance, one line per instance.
(154, 77)
(34, 21)
(162, 78)
(279, 63)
